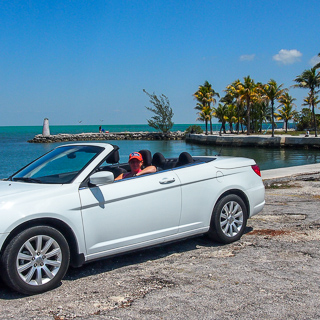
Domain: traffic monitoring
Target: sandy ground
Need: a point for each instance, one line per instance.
(273, 272)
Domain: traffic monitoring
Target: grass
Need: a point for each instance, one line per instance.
(293, 133)
(279, 133)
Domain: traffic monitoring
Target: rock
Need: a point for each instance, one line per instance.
(63, 137)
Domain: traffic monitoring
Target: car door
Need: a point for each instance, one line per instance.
(130, 213)
(199, 189)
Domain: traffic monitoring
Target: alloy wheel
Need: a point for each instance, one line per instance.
(39, 260)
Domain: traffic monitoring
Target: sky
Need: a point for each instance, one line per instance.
(88, 61)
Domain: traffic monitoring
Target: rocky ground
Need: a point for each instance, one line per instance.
(64, 137)
(273, 272)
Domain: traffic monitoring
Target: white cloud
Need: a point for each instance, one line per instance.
(247, 57)
(314, 60)
(288, 56)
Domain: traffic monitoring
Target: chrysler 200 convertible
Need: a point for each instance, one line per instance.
(66, 208)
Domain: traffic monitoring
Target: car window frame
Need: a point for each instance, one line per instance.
(101, 149)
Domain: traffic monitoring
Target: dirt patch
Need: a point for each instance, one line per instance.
(268, 232)
(280, 218)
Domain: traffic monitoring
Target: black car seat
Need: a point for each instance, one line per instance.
(159, 161)
(113, 159)
(184, 159)
(147, 158)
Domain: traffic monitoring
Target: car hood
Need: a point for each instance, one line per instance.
(12, 188)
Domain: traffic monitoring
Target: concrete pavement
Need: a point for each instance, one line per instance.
(278, 141)
(290, 171)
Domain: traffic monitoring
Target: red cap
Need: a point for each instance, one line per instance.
(135, 155)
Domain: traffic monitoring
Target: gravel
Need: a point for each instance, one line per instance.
(271, 273)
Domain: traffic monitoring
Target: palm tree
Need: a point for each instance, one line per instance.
(285, 111)
(204, 114)
(264, 113)
(233, 91)
(231, 116)
(221, 114)
(272, 92)
(261, 107)
(247, 93)
(205, 95)
(308, 101)
(317, 66)
(260, 110)
(310, 79)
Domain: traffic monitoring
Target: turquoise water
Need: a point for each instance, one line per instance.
(16, 152)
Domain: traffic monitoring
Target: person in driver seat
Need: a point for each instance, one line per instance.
(136, 162)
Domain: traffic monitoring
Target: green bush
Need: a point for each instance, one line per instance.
(305, 120)
(194, 129)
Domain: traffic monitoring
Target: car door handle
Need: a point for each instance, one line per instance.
(167, 180)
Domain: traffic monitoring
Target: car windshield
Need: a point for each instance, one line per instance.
(60, 165)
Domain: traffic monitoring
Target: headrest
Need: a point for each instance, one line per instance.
(184, 158)
(146, 156)
(158, 160)
(113, 157)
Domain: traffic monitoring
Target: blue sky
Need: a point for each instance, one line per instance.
(89, 61)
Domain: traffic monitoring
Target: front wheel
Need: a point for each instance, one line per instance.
(35, 260)
(229, 219)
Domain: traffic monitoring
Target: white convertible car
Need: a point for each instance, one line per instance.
(66, 208)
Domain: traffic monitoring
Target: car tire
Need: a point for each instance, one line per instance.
(35, 260)
(229, 219)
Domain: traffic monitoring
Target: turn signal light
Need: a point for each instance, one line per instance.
(256, 169)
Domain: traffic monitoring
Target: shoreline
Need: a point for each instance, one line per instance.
(142, 135)
(232, 140)
(290, 172)
(265, 141)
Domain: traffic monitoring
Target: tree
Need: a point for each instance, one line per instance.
(304, 119)
(230, 110)
(272, 92)
(261, 108)
(221, 114)
(285, 111)
(264, 114)
(231, 116)
(162, 120)
(317, 66)
(233, 93)
(205, 96)
(310, 79)
(308, 101)
(204, 114)
(247, 94)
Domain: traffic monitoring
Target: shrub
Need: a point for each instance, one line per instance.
(194, 129)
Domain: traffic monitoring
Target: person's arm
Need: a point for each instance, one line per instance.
(149, 169)
(119, 177)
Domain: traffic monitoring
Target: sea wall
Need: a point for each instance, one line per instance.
(255, 141)
(64, 137)
(279, 141)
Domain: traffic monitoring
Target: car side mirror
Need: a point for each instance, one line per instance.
(102, 177)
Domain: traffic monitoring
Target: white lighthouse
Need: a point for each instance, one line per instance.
(45, 128)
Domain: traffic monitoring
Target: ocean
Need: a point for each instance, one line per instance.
(16, 152)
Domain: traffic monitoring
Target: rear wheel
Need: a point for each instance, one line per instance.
(35, 260)
(229, 219)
